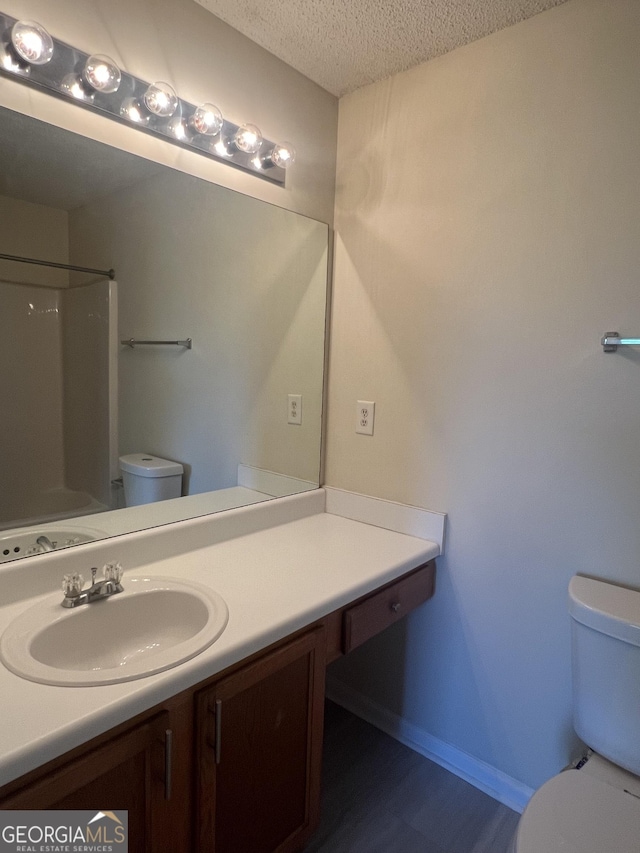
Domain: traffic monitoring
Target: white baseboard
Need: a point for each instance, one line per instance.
(410, 520)
(483, 776)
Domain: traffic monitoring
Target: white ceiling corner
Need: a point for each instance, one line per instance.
(344, 44)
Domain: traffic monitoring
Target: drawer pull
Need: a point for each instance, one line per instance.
(168, 763)
(218, 729)
(388, 605)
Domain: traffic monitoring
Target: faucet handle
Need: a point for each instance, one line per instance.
(113, 572)
(72, 585)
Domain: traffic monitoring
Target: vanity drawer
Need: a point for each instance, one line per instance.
(390, 604)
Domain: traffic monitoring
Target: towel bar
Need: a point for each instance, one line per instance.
(131, 342)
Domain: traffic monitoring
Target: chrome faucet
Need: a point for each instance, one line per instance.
(75, 594)
(45, 543)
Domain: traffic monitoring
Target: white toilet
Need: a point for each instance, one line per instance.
(148, 478)
(596, 808)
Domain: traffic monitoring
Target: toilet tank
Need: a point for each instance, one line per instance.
(605, 645)
(147, 478)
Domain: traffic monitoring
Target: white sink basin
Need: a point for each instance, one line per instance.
(155, 624)
(15, 544)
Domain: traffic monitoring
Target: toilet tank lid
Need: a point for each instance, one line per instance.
(606, 607)
(146, 465)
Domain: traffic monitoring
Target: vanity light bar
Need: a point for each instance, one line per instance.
(29, 54)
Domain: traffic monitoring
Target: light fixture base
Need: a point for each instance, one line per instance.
(53, 78)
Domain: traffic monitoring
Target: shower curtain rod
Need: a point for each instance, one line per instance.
(109, 273)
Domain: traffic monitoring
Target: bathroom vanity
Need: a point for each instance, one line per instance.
(223, 752)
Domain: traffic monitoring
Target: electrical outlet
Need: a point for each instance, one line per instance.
(365, 414)
(294, 409)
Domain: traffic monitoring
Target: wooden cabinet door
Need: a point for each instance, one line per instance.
(259, 735)
(128, 772)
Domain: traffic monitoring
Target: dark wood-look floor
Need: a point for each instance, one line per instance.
(379, 796)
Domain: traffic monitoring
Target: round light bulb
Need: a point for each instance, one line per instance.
(283, 155)
(207, 120)
(221, 148)
(161, 100)
(32, 42)
(133, 111)
(102, 74)
(178, 128)
(10, 60)
(72, 86)
(248, 139)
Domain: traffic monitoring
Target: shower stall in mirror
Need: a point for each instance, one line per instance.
(58, 339)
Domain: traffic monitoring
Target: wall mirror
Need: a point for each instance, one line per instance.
(244, 280)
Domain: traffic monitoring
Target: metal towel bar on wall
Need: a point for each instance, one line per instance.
(612, 340)
(131, 342)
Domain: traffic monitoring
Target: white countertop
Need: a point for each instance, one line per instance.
(276, 577)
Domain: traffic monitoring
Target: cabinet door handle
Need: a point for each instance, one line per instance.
(396, 606)
(218, 729)
(168, 762)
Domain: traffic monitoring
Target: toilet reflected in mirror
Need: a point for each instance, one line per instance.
(147, 479)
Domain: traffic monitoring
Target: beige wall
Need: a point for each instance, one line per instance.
(488, 234)
(31, 458)
(30, 352)
(86, 334)
(180, 42)
(33, 231)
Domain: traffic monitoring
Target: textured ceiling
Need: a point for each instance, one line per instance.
(345, 44)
